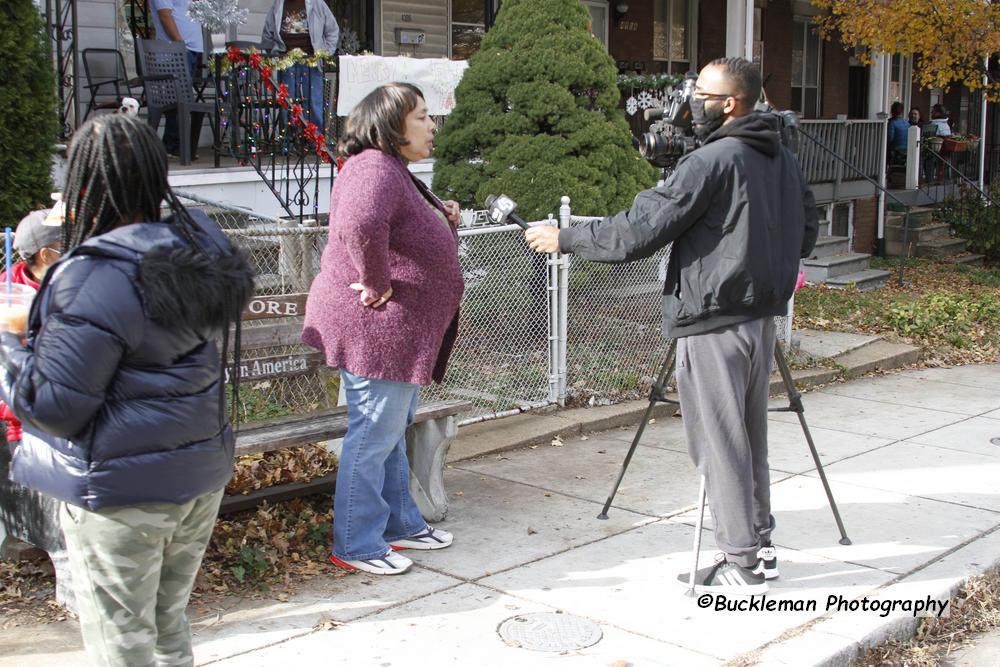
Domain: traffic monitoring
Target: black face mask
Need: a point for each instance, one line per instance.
(705, 122)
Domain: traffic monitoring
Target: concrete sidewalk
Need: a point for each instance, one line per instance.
(911, 467)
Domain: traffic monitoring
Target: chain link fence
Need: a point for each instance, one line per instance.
(285, 257)
(501, 362)
(615, 344)
(516, 350)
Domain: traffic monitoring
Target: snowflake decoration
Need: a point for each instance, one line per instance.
(631, 106)
(645, 99)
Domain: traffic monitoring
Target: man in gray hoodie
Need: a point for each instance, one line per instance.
(740, 216)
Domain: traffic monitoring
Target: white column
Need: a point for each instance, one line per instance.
(982, 131)
(739, 28)
(878, 85)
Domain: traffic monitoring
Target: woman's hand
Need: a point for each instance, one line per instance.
(370, 297)
(453, 211)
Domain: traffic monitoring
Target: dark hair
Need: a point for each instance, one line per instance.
(939, 111)
(917, 109)
(117, 174)
(379, 120)
(743, 74)
(896, 109)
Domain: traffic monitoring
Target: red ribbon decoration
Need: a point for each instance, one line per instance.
(310, 130)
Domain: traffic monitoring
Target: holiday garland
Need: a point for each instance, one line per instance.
(648, 81)
(287, 61)
(266, 67)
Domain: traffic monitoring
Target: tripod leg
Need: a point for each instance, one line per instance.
(795, 405)
(696, 550)
(661, 380)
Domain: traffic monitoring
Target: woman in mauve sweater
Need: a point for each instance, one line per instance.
(384, 310)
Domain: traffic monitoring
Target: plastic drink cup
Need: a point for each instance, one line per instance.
(14, 308)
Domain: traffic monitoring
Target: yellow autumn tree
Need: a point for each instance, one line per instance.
(950, 39)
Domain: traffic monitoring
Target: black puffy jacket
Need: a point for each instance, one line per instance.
(120, 387)
(740, 216)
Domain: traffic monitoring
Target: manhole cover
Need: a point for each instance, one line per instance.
(549, 631)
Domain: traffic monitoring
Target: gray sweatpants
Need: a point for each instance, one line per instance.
(722, 378)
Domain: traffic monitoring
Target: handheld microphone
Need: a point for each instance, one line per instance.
(653, 114)
(502, 208)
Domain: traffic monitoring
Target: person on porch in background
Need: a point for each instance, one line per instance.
(915, 117)
(384, 310)
(898, 129)
(172, 23)
(939, 118)
(308, 25)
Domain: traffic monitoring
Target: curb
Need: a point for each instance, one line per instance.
(838, 639)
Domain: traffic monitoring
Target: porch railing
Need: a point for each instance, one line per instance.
(860, 142)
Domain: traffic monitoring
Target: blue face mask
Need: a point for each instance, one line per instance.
(706, 121)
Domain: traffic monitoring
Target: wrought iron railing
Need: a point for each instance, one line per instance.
(258, 128)
(61, 22)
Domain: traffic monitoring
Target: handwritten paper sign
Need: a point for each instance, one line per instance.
(436, 77)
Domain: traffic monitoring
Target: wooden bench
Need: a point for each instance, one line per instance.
(427, 439)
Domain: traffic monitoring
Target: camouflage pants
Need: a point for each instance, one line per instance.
(133, 571)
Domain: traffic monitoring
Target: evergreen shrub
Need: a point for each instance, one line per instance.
(537, 117)
(28, 122)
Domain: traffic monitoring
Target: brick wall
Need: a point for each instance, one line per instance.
(836, 79)
(865, 225)
(630, 38)
(711, 31)
(776, 31)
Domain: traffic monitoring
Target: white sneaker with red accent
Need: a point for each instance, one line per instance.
(431, 538)
(388, 563)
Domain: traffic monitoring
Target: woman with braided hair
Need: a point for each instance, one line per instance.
(120, 389)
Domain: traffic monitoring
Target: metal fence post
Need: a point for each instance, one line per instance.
(307, 270)
(289, 256)
(552, 291)
(563, 271)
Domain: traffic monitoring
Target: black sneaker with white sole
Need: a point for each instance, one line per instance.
(728, 578)
(767, 562)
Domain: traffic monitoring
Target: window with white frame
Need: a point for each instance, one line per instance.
(806, 66)
(672, 35)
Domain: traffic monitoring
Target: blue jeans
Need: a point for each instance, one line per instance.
(372, 505)
(305, 87)
(171, 133)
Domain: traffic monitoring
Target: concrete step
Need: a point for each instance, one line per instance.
(869, 279)
(968, 259)
(937, 230)
(827, 246)
(822, 269)
(919, 215)
(941, 248)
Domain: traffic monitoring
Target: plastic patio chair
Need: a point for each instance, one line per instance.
(169, 87)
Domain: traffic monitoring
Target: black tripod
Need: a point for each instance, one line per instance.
(658, 394)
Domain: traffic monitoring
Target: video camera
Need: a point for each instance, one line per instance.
(672, 135)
